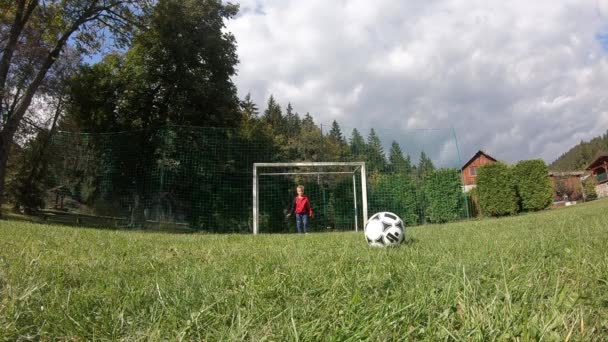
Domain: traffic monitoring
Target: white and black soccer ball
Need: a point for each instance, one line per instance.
(384, 229)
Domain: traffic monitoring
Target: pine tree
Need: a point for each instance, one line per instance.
(274, 116)
(398, 163)
(335, 133)
(425, 166)
(375, 153)
(292, 121)
(249, 109)
(336, 143)
(310, 143)
(293, 129)
(308, 122)
(579, 156)
(357, 146)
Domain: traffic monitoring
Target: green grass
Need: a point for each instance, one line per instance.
(537, 276)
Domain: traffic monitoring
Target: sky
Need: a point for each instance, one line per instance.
(518, 79)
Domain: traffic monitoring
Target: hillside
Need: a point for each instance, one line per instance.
(579, 156)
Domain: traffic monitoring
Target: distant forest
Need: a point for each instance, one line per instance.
(578, 157)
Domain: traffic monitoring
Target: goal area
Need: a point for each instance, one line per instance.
(200, 179)
(337, 192)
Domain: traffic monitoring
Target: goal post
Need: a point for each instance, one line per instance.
(322, 167)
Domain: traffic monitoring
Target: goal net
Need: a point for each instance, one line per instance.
(201, 179)
(337, 192)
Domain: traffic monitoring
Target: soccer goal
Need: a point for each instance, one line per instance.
(336, 189)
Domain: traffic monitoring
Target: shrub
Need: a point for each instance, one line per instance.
(565, 186)
(395, 193)
(444, 197)
(473, 202)
(497, 195)
(533, 185)
(589, 188)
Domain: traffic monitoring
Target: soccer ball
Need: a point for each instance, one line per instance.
(384, 229)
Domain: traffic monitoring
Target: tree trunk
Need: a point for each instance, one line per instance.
(4, 147)
(19, 23)
(39, 162)
(23, 14)
(9, 130)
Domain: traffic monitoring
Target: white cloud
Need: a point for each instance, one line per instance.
(519, 79)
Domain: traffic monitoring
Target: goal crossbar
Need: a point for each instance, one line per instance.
(308, 173)
(357, 165)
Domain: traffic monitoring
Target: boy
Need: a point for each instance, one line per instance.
(301, 207)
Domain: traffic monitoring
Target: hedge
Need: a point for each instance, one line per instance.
(473, 198)
(533, 185)
(444, 197)
(395, 193)
(496, 189)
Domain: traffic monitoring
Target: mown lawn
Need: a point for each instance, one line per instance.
(536, 276)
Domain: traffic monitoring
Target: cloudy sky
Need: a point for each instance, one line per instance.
(519, 79)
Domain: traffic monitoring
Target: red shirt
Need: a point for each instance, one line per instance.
(301, 206)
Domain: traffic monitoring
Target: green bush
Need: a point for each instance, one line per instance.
(497, 194)
(533, 185)
(589, 188)
(444, 197)
(395, 193)
(473, 202)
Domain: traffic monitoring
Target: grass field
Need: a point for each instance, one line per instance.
(537, 276)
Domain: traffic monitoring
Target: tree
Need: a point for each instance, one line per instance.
(249, 118)
(292, 121)
(357, 146)
(249, 109)
(425, 166)
(375, 152)
(336, 143)
(177, 72)
(335, 134)
(589, 185)
(562, 189)
(33, 173)
(83, 22)
(273, 115)
(397, 162)
(95, 94)
(579, 156)
(310, 142)
(182, 68)
(28, 187)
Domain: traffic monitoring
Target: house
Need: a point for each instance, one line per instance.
(568, 184)
(598, 169)
(469, 170)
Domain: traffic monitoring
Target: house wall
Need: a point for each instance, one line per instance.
(600, 166)
(599, 173)
(571, 183)
(602, 190)
(481, 160)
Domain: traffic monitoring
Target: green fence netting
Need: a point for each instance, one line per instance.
(201, 179)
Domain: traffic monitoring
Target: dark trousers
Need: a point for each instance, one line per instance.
(302, 223)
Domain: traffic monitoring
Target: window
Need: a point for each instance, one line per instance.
(601, 175)
(473, 171)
